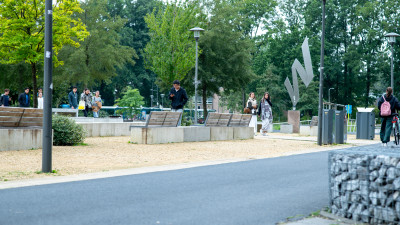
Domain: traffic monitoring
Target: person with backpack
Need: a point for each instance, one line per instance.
(387, 106)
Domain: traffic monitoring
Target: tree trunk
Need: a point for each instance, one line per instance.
(205, 112)
(34, 81)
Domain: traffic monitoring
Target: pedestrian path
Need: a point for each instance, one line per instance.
(351, 140)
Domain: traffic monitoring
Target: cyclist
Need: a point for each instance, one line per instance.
(386, 127)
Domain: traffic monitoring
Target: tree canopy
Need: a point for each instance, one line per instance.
(22, 32)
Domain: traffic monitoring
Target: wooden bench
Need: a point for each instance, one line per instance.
(218, 119)
(160, 127)
(240, 120)
(162, 119)
(20, 117)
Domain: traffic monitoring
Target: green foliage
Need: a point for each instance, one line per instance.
(226, 57)
(101, 54)
(132, 100)
(22, 32)
(134, 34)
(170, 53)
(66, 131)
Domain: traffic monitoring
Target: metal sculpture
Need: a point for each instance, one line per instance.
(306, 74)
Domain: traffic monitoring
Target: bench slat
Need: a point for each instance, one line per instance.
(16, 109)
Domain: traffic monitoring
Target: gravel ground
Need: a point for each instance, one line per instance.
(113, 153)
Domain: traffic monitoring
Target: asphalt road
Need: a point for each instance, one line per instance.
(253, 192)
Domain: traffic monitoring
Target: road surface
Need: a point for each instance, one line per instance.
(253, 192)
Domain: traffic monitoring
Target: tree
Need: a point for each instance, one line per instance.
(226, 58)
(134, 34)
(170, 53)
(132, 100)
(101, 53)
(22, 32)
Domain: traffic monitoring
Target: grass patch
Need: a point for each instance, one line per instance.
(315, 214)
(52, 172)
(81, 144)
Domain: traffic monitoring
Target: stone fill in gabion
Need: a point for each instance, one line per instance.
(365, 184)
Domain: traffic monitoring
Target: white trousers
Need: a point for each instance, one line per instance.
(253, 123)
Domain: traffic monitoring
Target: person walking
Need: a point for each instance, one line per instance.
(73, 98)
(178, 98)
(87, 98)
(387, 106)
(252, 106)
(40, 100)
(5, 99)
(265, 112)
(96, 104)
(24, 99)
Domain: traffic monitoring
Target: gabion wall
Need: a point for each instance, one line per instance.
(365, 184)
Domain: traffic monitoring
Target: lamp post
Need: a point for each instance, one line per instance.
(196, 31)
(329, 95)
(162, 100)
(321, 77)
(151, 104)
(392, 39)
(48, 89)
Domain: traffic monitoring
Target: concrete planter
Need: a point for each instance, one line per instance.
(157, 135)
(20, 138)
(287, 128)
(221, 133)
(108, 129)
(243, 133)
(196, 133)
(309, 130)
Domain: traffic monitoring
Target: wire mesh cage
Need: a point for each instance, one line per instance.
(364, 184)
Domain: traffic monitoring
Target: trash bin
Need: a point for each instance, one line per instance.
(327, 126)
(365, 123)
(340, 128)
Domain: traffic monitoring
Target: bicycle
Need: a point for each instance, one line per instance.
(396, 131)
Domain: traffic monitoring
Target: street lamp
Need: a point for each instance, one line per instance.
(47, 134)
(392, 39)
(196, 31)
(151, 104)
(321, 77)
(162, 100)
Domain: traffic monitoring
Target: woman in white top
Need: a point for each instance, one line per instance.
(252, 106)
(40, 100)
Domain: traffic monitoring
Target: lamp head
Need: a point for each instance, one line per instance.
(392, 37)
(197, 31)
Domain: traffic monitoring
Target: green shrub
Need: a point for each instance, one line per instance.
(67, 132)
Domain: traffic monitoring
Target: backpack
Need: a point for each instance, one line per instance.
(385, 108)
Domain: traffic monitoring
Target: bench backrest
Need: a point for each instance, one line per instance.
(218, 119)
(20, 117)
(164, 119)
(240, 120)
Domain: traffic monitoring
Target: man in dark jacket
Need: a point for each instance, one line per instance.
(178, 98)
(5, 99)
(386, 126)
(73, 98)
(24, 99)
